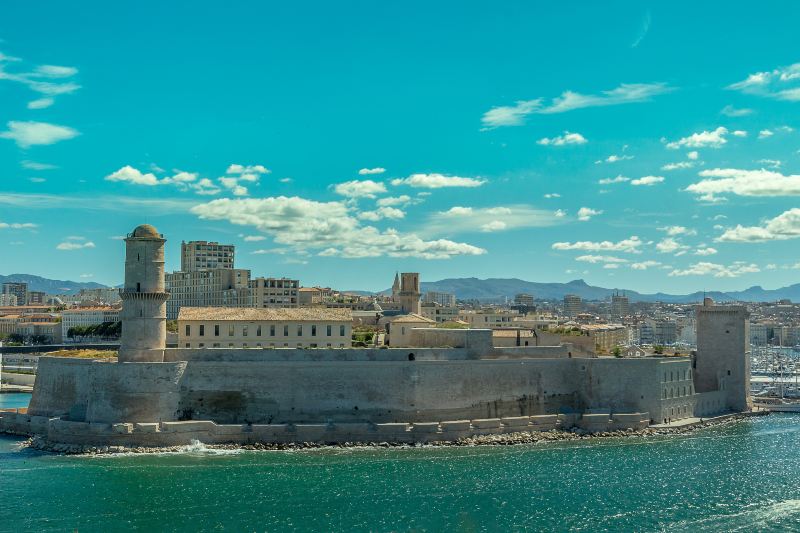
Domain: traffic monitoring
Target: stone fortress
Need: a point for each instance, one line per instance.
(453, 384)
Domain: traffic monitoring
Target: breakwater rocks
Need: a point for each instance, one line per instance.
(504, 439)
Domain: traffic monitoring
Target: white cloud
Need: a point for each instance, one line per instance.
(744, 183)
(41, 103)
(613, 159)
(360, 189)
(679, 165)
(672, 231)
(600, 259)
(37, 180)
(705, 251)
(670, 245)
(40, 80)
(773, 163)
(629, 245)
(626, 93)
(18, 225)
(647, 180)
(560, 213)
(782, 227)
(693, 155)
(608, 181)
(72, 245)
(33, 165)
(381, 213)
(763, 134)
(782, 83)
(739, 133)
(86, 276)
(327, 227)
(586, 213)
(27, 134)
(563, 140)
(644, 265)
(460, 219)
(730, 111)
(247, 169)
(369, 171)
(437, 181)
(717, 270)
(133, 175)
(389, 201)
(704, 139)
(552, 195)
(254, 238)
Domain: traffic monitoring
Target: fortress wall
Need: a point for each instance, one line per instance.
(62, 387)
(375, 391)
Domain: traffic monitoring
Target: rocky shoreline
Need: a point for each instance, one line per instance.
(503, 439)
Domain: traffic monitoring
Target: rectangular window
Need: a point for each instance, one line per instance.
(230, 330)
(188, 330)
(202, 330)
(272, 330)
(244, 331)
(187, 345)
(285, 330)
(341, 331)
(300, 330)
(313, 331)
(216, 330)
(258, 330)
(328, 330)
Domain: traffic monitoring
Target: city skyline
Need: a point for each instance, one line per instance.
(540, 143)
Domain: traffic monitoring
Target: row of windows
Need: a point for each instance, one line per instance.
(676, 375)
(271, 345)
(675, 392)
(272, 328)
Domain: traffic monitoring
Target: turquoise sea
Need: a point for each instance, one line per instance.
(741, 477)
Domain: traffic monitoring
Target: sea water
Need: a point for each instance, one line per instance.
(739, 477)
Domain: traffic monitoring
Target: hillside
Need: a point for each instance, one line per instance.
(50, 286)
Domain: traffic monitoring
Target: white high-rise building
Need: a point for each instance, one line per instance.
(204, 255)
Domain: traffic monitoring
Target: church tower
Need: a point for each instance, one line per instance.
(409, 295)
(396, 287)
(144, 298)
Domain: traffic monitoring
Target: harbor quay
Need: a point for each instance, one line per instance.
(450, 384)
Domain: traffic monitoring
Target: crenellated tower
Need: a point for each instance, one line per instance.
(144, 298)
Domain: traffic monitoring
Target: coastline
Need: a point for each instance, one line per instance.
(503, 439)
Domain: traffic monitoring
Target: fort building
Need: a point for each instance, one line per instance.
(443, 384)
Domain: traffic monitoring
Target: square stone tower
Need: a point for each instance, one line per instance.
(722, 361)
(409, 295)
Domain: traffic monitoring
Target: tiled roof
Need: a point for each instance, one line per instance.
(295, 314)
(413, 317)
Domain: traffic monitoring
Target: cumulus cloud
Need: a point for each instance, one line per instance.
(730, 111)
(460, 219)
(644, 265)
(693, 155)
(369, 171)
(133, 175)
(326, 227)
(254, 238)
(704, 251)
(678, 166)
(18, 225)
(704, 139)
(600, 259)
(613, 158)
(744, 183)
(360, 189)
(647, 180)
(515, 115)
(782, 227)
(390, 201)
(70, 245)
(629, 245)
(763, 134)
(563, 140)
(27, 134)
(734, 270)
(586, 213)
(608, 181)
(678, 230)
(191, 181)
(437, 181)
(381, 213)
(552, 195)
(669, 245)
(782, 83)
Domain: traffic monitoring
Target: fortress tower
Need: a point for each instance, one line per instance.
(722, 361)
(409, 294)
(144, 298)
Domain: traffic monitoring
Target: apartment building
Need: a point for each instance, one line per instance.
(301, 327)
(87, 316)
(274, 292)
(439, 313)
(18, 289)
(219, 287)
(489, 318)
(8, 300)
(204, 255)
(572, 305)
(444, 299)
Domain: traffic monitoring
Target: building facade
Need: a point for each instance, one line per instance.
(620, 306)
(409, 295)
(225, 327)
(445, 299)
(18, 289)
(219, 287)
(274, 292)
(90, 316)
(204, 255)
(573, 305)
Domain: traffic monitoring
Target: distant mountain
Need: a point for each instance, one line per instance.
(50, 286)
(494, 289)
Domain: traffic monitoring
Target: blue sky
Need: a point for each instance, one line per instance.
(628, 144)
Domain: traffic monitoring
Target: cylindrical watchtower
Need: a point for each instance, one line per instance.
(144, 298)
